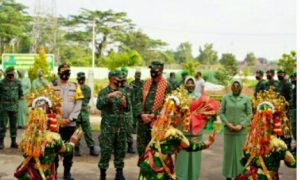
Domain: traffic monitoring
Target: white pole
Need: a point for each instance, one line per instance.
(93, 45)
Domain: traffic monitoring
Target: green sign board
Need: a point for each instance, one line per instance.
(23, 61)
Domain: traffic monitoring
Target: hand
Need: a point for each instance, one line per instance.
(230, 126)
(145, 118)
(123, 101)
(238, 127)
(65, 122)
(211, 139)
(76, 136)
(115, 94)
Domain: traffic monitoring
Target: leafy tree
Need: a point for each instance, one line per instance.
(115, 60)
(191, 66)
(250, 59)
(288, 62)
(40, 61)
(183, 53)
(228, 70)
(13, 23)
(75, 55)
(207, 55)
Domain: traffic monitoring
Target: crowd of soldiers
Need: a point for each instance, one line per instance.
(126, 108)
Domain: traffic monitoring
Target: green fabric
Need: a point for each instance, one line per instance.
(260, 86)
(9, 69)
(137, 89)
(273, 83)
(114, 126)
(11, 93)
(261, 72)
(80, 74)
(39, 83)
(235, 110)
(124, 69)
(115, 73)
(11, 117)
(184, 73)
(156, 64)
(284, 88)
(233, 151)
(83, 119)
(173, 82)
(23, 106)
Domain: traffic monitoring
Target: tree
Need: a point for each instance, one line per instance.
(250, 59)
(207, 55)
(183, 53)
(228, 70)
(13, 23)
(115, 60)
(75, 55)
(40, 61)
(191, 66)
(288, 62)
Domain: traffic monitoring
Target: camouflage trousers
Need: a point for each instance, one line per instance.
(11, 117)
(112, 143)
(293, 122)
(84, 121)
(143, 137)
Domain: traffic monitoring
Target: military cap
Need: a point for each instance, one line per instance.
(124, 69)
(294, 74)
(156, 64)
(184, 73)
(261, 72)
(9, 69)
(271, 71)
(64, 67)
(280, 71)
(116, 73)
(80, 74)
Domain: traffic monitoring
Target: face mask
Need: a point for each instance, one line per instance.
(294, 82)
(280, 77)
(10, 76)
(81, 80)
(65, 75)
(257, 77)
(269, 77)
(154, 74)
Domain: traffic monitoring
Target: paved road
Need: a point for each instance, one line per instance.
(85, 167)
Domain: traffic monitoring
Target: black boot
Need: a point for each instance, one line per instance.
(67, 174)
(102, 174)
(1, 144)
(119, 174)
(13, 143)
(130, 148)
(94, 151)
(77, 151)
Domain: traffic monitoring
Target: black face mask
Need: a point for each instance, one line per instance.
(65, 75)
(81, 80)
(155, 74)
(10, 76)
(280, 78)
(257, 77)
(269, 77)
(294, 82)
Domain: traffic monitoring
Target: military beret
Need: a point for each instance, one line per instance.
(9, 69)
(124, 69)
(64, 67)
(115, 73)
(271, 71)
(280, 71)
(156, 64)
(260, 72)
(184, 73)
(294, 74)
(80, 74)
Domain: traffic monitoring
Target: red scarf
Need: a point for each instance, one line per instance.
(159, 94)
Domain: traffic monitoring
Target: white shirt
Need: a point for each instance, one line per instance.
(199, 85)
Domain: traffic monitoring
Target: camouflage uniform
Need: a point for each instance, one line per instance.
(114, 126)
(293, 108)
(173, 82)
(11, 93)
(137, 88)
(261, 85)
(271, 82)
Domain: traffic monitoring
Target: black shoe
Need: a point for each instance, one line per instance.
(67, 174)
(119, 174)
(1, 144)
(130, 149)
(94, 151)
(102, 174)
(77, 151)
(13, 143)
(68, 177)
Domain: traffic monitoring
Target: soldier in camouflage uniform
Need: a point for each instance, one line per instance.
(271, 81)
(184, 74)
(10, 93)
(154, 92)
(137, 87)
(84, 118)
(293, 108)
(172, 81)
(129, 115)
(261, 85)
(113, 104)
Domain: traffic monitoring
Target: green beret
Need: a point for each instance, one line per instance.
(80, 74)
(156, 64)
(261, 72)
(124, 69)
(294, 74)
(184, 73)
(280, 71)
(9, 69)
(115, 73)
(271, 71)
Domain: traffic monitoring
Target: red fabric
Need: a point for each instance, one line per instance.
(201, 110)
(159, 94)
(252, 172)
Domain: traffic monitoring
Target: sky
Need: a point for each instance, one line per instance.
(265, 27)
